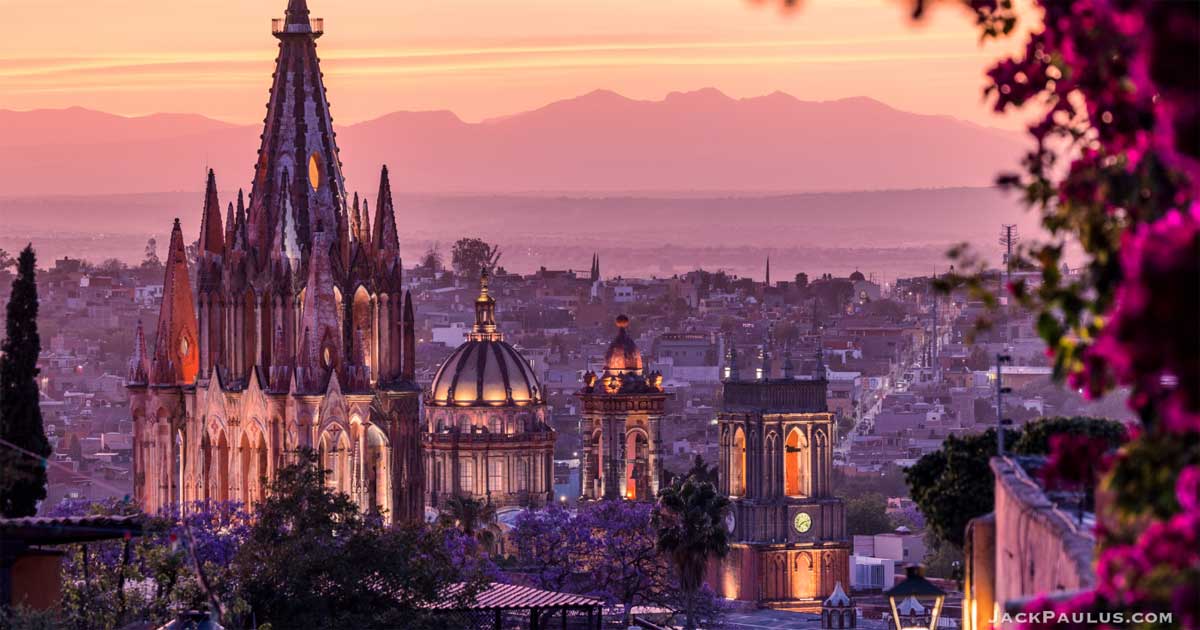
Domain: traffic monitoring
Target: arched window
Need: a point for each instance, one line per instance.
(364, 324)
(796, 458)
(737, 465)
(637, 475)
(245, 454)
(377, 464)
(222, 469)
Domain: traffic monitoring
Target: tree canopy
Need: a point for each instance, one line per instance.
(470, 256)
(24, 448)
(954, 485)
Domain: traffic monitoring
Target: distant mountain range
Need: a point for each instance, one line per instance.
(601, 142)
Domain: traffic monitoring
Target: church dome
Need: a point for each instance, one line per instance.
(485, 371)
(623, 355)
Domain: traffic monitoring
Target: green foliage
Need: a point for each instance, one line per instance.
(24, 447)
(471, 516)
(1035, 437)
(1145, 474)
(690, 523)
(889, 483)
(866, 515)
(954, 485)
(470, 256)
(942, 558)
(22, 618)
(313, 561)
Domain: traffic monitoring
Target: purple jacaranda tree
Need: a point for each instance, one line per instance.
(149, 577)
(606, 550)
(545, 541)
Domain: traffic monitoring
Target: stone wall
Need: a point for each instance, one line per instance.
(1039, 547)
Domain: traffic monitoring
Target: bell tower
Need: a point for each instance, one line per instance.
(623, 408)
(788, 531)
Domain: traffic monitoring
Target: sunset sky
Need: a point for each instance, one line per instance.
(485, 58)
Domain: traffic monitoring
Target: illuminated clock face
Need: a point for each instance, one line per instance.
(730, 522)
(802, 522)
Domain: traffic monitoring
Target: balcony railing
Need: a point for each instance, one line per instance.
(316, 26)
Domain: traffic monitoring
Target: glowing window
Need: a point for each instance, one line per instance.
(184, 347)
(315, 171)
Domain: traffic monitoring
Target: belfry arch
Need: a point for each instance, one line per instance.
(797, 465)
(737, 465)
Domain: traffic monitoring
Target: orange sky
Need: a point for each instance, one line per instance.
(483, 58)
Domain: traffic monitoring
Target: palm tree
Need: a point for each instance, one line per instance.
(471, 516)
(690, 519)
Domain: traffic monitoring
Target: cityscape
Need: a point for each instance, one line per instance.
(601, 364)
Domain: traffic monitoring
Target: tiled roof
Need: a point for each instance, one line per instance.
(510, 597)
(48, 530)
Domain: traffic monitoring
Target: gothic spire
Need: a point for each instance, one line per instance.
(139, 363)
(768, 281)
(356, 221)
(298, 136)
(297, 12)
(366, 230)
(176, 351)
(212, 240)
(240, 237)
(384, 237)
(229, 227)
(408, 366)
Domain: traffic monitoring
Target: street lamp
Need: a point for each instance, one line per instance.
(916, 602)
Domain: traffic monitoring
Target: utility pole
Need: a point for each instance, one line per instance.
(937, 367)
(1008, 238)
(1001, 390)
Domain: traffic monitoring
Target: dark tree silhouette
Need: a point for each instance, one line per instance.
(24, 446)
(690, 521)
(472, 255)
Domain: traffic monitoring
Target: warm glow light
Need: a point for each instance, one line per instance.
(314, 171)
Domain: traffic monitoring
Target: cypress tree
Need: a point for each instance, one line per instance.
(24, 447)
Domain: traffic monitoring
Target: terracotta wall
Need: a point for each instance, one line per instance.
(1035, 547)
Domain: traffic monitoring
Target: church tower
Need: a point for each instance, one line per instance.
(621, 426)
(300, 333)
(788, 531)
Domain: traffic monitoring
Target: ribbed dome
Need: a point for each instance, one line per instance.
(485, 371)
(623, 355)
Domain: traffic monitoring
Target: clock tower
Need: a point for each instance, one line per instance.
(788, 532)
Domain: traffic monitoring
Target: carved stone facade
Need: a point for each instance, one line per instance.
(621, 426)
(300, 334)
(487, 427)
(788, 530)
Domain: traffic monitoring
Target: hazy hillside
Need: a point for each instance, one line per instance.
(600, 142)
(887, 232)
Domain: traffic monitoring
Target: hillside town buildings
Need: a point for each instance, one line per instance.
(289, 321)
